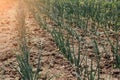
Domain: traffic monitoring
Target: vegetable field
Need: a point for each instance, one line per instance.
(68, 40)
(86, 32)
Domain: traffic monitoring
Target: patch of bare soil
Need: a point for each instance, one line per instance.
(7, 28)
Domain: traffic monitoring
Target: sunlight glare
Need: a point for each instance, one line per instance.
(5, 4)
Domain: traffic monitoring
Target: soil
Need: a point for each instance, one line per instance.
(7, 27)
(52, 62)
